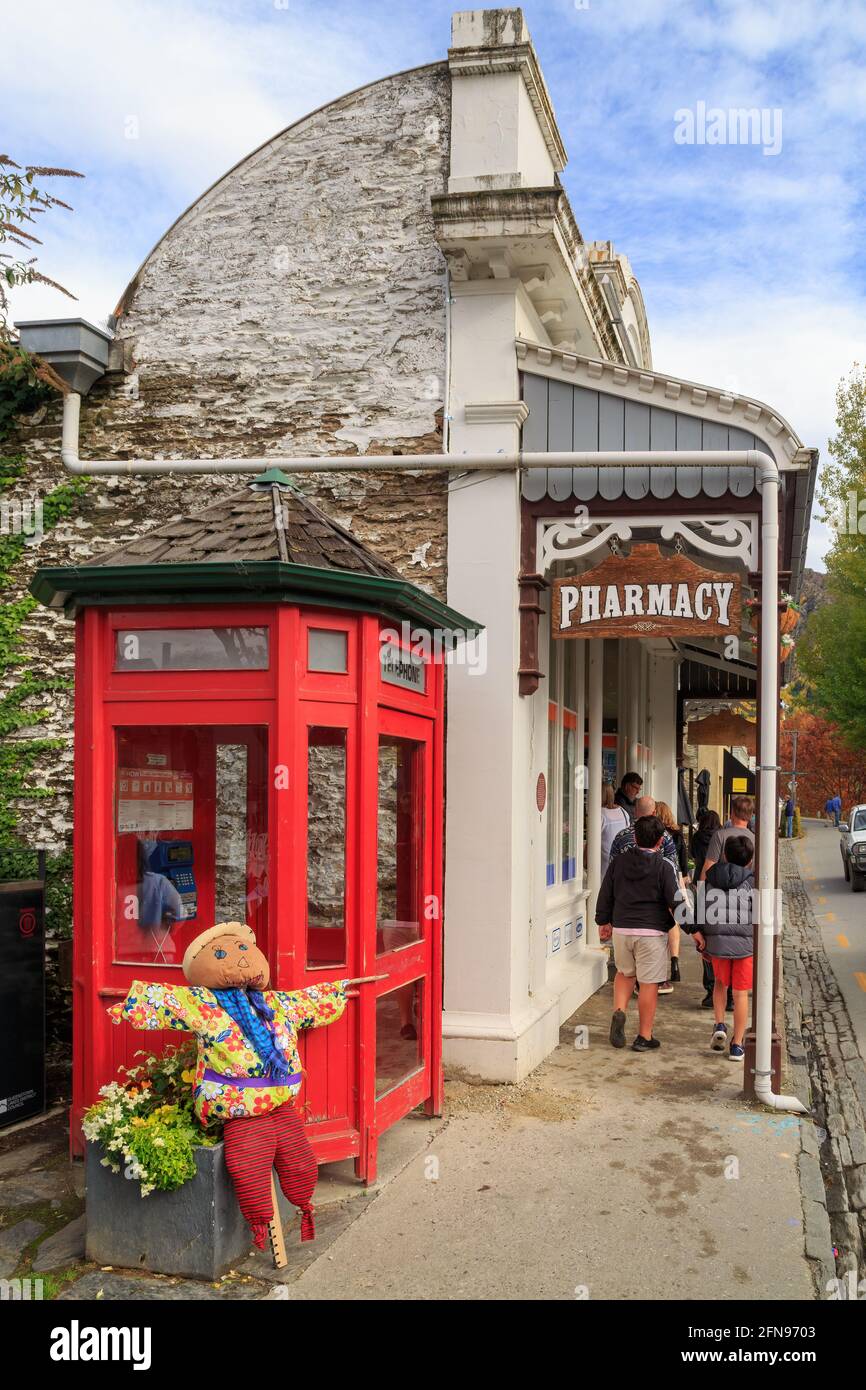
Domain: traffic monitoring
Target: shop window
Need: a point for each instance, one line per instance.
(400, 836)
(190, 817)
(564, 764)
(568, 739)
(326, 847)
(191, 649)
(327, 650)
(398, 1035)
(553, 709)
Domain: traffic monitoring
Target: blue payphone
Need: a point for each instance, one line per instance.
(174, 859)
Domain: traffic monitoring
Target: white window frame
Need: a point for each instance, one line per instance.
(564, 891)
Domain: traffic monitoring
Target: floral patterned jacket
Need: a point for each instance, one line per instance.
(225, 1058)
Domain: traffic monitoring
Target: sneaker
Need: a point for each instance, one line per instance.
(642, 1044)
(719, 1039)
(666, 988)
(736, 1053)
(707, 1001)
(675, 970)
(617, 1029)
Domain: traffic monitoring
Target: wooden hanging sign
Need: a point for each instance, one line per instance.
(645, 595)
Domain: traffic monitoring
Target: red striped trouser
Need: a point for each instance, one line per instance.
(257, 1144)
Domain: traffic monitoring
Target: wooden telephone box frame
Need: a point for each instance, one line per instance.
(344, 1115)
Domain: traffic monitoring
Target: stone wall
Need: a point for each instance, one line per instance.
(297, 307)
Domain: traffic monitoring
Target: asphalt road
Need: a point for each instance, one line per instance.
(841, 915)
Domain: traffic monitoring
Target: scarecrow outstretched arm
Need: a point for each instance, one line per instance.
(310, 1008)
(157, 1006)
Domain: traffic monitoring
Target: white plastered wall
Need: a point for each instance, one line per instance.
(503, 1002)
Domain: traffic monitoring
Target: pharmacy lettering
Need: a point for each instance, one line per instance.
(643, 594)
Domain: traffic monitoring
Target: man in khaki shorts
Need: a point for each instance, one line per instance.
(635, 905)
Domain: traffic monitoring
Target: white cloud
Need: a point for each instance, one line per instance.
(789, 351)
(174, 89)
(153, 101)
(750, 266)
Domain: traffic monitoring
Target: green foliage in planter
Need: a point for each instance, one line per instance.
(146, 1122)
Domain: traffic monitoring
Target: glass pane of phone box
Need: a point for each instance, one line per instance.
(191, 649)
(191, 837)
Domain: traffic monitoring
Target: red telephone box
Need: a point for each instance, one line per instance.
(259, 737)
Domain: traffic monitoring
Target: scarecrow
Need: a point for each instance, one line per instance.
(248, 1072)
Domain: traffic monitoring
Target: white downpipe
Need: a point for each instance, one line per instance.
(769, 815)
(446, 392)
(501, 462)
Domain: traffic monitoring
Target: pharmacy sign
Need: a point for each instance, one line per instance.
(646, 595)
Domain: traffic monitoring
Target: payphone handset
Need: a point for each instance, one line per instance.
(174, 859)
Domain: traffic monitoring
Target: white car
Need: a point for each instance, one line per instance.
(852, 843)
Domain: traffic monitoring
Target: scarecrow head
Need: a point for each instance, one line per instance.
(226, 957)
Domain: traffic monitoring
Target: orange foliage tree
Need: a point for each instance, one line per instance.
(825, 765)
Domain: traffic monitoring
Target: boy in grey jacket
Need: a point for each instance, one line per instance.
(727, 938)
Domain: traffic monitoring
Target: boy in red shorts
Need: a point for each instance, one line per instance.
(727, 938)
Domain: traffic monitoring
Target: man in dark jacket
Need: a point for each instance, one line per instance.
(628, 792)
(635, 906)
(727, 937)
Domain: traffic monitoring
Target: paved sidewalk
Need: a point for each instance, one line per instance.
(606, 1175)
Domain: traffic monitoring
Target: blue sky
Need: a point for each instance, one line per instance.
(751, 264)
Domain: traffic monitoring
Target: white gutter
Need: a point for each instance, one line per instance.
(394, 463)
(503, 462)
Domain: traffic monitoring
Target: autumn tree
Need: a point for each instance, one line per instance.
(825, 765)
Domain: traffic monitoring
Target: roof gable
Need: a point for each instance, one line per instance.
(270, 520)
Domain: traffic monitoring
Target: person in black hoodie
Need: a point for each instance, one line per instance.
(635, 906)
(727, 935)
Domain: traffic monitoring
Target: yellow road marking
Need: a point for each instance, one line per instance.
(860, 977)
(829, 916)
(842, 940)
(821, 900)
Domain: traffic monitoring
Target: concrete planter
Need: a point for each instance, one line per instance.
(197, 1230)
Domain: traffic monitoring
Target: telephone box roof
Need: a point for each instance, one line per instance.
(265, 540)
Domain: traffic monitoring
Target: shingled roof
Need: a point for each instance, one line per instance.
(266, 520)
(266, 541)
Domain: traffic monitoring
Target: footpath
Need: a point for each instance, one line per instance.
(604, 1175)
